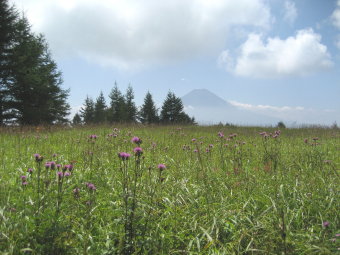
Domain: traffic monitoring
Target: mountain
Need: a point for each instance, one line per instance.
(208, 108)
(203, 97)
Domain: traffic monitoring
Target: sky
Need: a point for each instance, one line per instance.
(278, 57)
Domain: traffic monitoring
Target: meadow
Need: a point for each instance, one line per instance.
(169, 190)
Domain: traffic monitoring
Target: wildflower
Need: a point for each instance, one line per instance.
(195, 150)
(30, 170)
(47, 165)
(58, 166)
(136, 140)
(325, 224)
(138, 151)
(60, 174)
(315, 138)
(54, 155)
(161, 167)
(23, 178)
(67, 174)
(124, 155)
(91, 186)
(220, 134)
(93, 137)
(193, 140)
(24, 183)
(211, 145)
(207, 150)
(76, 192)
(68, 167)
(305, 140)
(38, 157)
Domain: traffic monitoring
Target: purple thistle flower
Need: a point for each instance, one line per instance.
(305, 140)
(195, 150)
(91, 186)
(68, 167)
(124, 155)
(93, 137)
(23, 178)
(136, 140)
(47, 165)
(193, 140)
(60, 174)
(161, 167)
(211, 145)
(325, 224)
(38, 157)
(24, 183)
(58, 166)
(30, 170)
(138, 151)
(220, 134)
(67, 174)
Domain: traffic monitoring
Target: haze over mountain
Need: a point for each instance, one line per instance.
(208, 108)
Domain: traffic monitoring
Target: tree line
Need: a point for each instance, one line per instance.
(30, 82)
(122, 109)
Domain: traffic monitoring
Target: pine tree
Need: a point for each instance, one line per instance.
(117, 108)
(131, 109)
(87, 111)
(172, 110)
(35, 83)
(148, 113)
(100, 109)
(76, 119)
(8, 19)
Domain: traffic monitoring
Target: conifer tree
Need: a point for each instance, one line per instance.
(100, 109)
(76, 119)
(87, 111)
(173, 110)
(8, 19)
(130, 107)
(30, 83)
(34, 84)
(148, 113)
(116, 112)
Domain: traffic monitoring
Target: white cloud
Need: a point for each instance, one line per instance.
(130, 33)
(295, 56)
(292, 114)
(265, 107)
(290, 12)
(336, 16)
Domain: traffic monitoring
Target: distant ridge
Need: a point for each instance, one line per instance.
(208, 108)
(202, 98)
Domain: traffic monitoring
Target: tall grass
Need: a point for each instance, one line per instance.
(237, 192)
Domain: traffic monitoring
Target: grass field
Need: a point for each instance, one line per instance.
(189, 190)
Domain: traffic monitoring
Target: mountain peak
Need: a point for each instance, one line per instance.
(203, 98)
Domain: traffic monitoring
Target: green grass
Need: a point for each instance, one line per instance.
(246, 195)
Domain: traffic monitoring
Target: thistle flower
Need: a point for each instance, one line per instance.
(93, 137)
(67, 174)
(220, 134)
(91, 186)
(138, 151)
(136, 140)
(124, 155)
(60, 174)
(325, 224)
(23, 178)
(30, 170)
(161, 167)
(38, 157)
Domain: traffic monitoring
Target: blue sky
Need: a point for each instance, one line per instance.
(277, 57)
